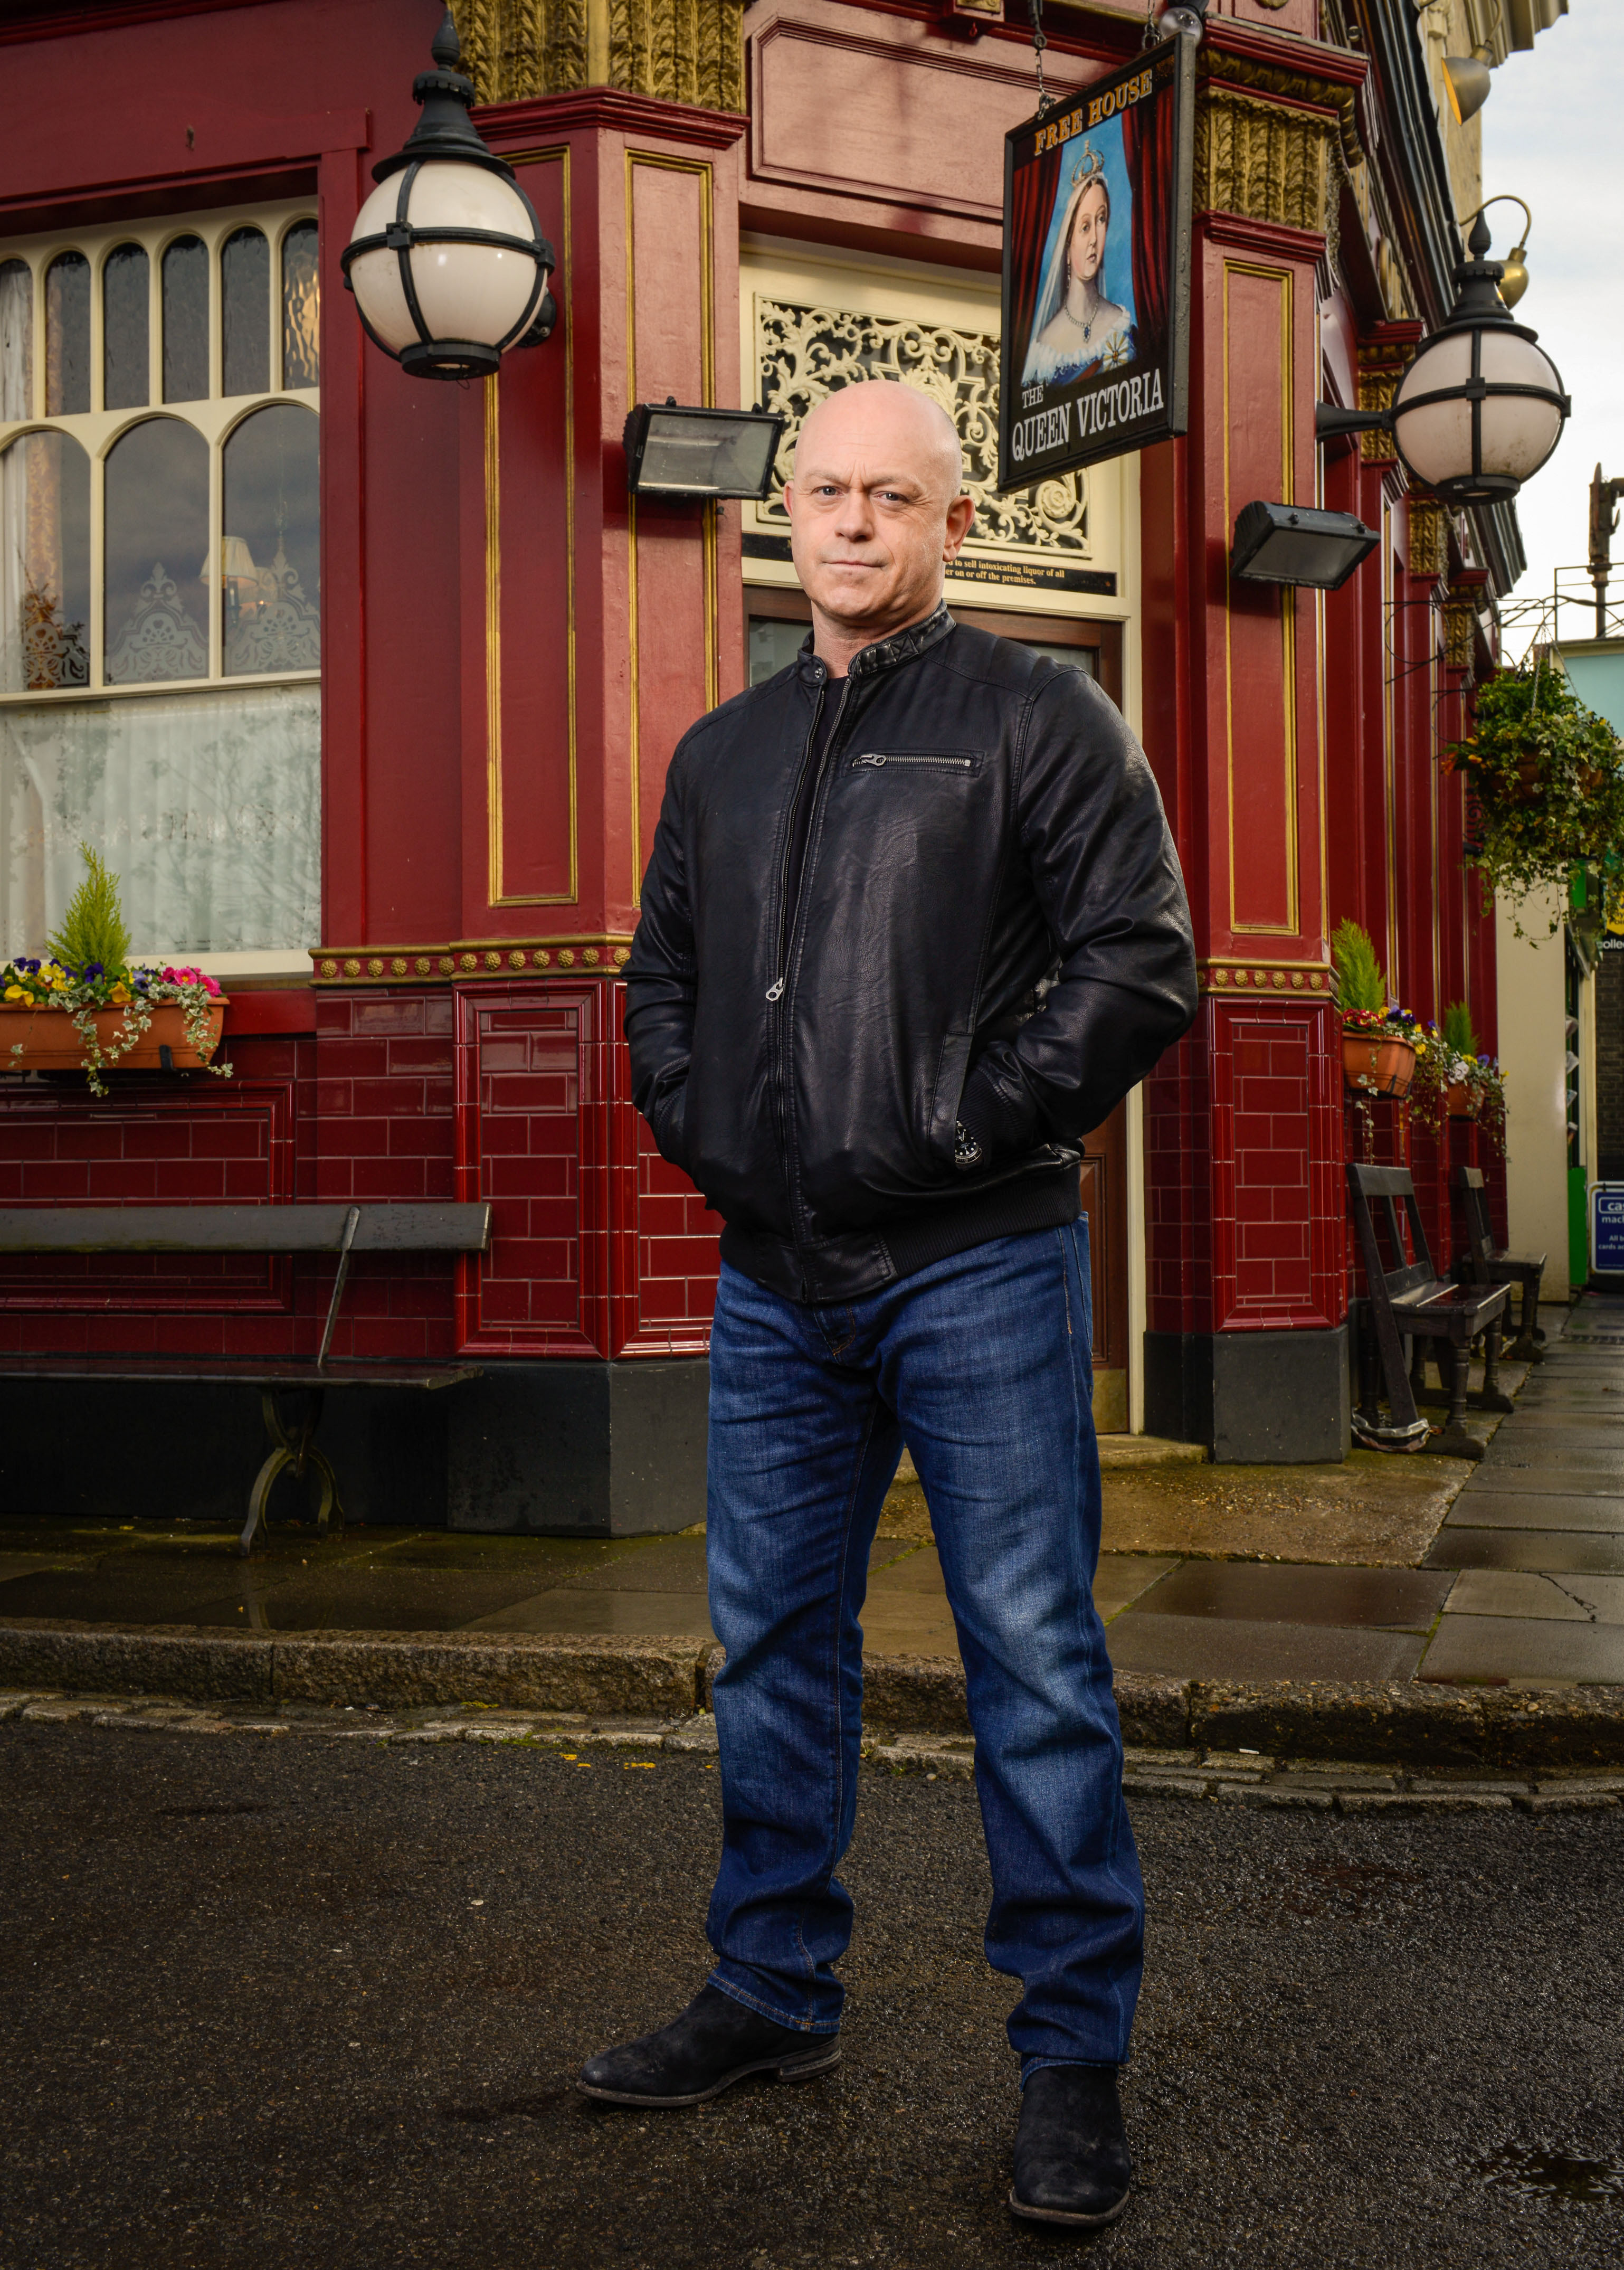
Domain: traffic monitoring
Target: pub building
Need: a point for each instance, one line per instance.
(364, 685)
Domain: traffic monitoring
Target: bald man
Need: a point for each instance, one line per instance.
(912, 923)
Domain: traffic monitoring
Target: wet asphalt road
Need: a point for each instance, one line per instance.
(283, 2001)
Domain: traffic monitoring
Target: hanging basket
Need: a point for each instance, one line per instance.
(1377, 1063)
(1460, 1100)
(48, 1040)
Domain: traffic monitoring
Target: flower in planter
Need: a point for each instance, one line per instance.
(87, 971)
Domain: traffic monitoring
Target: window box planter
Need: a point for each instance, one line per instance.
(48, 1040)
(1377, 1063)
(1460, 1100)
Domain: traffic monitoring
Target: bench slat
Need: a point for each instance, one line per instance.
(214, 1371)
(404, 1226)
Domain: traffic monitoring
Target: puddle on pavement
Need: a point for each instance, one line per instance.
(1524, 2173)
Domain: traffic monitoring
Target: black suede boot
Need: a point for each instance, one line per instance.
(1071, 2162)
(716, 2042)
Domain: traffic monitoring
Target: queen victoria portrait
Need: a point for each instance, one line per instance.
(1075, 327)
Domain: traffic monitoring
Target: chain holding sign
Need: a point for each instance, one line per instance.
(1096, 354)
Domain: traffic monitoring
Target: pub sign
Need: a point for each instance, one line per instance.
(1095, 349)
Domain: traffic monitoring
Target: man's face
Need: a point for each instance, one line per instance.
(1088, 236)
(875, 509)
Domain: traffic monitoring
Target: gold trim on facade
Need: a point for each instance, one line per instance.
(498, 895)
(1291, 927)
(659, 162)
(1313, 978)
(673, 50)
(1264, 161)
(601, 954)
(1429, 538)
(1226, 72)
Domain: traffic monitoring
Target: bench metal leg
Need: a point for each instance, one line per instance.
(293, 1445)
(1525, 1347)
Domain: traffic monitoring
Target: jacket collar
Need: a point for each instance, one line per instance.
(885, 654)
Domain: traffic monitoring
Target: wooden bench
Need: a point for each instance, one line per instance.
(344, 1230)
(1407, 1300)
(1485, 1263)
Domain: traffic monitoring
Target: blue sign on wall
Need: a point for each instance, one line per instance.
(1607, 1228)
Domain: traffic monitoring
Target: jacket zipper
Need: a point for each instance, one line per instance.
(939, 764)
(774, 991)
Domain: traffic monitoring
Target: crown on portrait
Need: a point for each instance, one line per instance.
(1088, 166)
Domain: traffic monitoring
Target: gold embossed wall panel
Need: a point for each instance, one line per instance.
(676, 50)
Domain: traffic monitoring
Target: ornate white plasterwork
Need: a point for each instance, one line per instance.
(803, 352)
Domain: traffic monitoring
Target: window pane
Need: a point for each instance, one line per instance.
(302, 307)
(774, 645)
(124, 328)
(186, 321)
(16, 339)
(245, 294)
(206, 805)
(271, 564)
(66, 334)
(157, 546)
(44, 564)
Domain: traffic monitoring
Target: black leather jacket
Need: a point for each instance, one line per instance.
(990, 929)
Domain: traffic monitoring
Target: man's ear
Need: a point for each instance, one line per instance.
(790, 498)
(960, 512)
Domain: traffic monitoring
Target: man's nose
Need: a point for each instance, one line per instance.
(854, 520)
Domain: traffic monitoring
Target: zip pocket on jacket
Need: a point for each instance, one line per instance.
(939, 763)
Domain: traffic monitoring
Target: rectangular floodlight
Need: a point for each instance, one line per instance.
(672, 450)
(1295, 544)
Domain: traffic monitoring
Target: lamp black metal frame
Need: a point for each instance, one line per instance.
(446, 131)
(636, 439)
(1478, 309)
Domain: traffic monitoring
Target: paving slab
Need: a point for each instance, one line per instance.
(1555, 1549)
(1394, 1600)
(1211, 1647)
(1512, 1593)
(665, 1615)
(1579, 1455)
(1508, 1498)
(1374, 1511)
(1503, 1647)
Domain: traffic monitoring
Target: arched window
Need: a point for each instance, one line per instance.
(66, 334)
(44, 564)
(245, 312)
(156, 554)
(160, 579)
(186, 321)
(126, 326)
(302, 347)
(270, 557)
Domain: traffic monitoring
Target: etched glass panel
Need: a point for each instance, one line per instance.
(66, 335)
(44, 564)
(302, 307)
(126, 324)
(157, 543)
(245, 300)
(270, 559)
(16, 339)
(186, 321)
(774, 646)
(804, 354)
(206, 805)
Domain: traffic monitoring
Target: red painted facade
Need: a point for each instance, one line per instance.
(512, 651)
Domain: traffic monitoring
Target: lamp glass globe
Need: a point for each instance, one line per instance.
(473, 292)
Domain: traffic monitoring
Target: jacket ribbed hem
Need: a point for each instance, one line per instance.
(849, 1268)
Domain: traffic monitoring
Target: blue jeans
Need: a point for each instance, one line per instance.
(983, 1363)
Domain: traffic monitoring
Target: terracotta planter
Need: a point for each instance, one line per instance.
(1377, 1063)
(51, 1041)
(1458, 1100)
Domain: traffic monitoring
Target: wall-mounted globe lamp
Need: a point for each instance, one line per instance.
(447, 260)
(1481, 406)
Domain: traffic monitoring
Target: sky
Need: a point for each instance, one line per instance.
(1553, 134)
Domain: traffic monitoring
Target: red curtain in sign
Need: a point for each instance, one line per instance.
(1032, 206)
(1148, 146)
